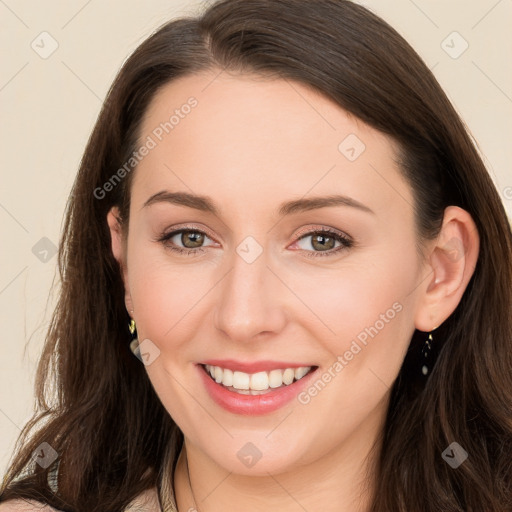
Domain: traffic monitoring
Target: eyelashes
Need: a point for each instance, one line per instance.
(332, 241)
(325, 238)
(198, 236)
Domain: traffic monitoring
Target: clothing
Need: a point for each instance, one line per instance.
(161, 500)
(145, 502)
(148, 501)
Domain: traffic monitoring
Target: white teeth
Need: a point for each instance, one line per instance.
(288, 376)
(300, 372)
(259, 381)
(227, 379)
(241, 380)
(275, 378)
(253, 383)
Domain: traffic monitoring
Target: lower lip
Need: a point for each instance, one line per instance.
(251, 405)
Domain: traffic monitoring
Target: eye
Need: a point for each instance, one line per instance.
(185, 240)
(323, 242)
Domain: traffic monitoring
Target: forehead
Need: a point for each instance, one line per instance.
(244, 135)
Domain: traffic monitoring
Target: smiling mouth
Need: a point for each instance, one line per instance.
(259, 383)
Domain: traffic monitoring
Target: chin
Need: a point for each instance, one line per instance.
(253, 455)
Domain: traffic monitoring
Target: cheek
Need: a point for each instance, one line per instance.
(354, 295)
(362, 311)
(165, 294)
(169, 297)
(363, 322)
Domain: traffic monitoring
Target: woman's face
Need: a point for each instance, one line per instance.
(289, 242)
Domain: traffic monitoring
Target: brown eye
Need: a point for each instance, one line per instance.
(322, 243)
(192, 239)
(189, 241)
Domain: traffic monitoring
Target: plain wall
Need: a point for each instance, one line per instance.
(49, 104)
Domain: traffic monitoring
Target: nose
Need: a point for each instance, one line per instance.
(249, 301)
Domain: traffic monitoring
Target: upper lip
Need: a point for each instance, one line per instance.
(254, 366)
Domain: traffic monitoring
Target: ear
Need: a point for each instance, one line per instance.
(119, 245)
(451, 264)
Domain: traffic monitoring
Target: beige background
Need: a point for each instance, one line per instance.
(48, 107)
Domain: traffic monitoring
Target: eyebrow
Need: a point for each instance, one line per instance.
(205, 204)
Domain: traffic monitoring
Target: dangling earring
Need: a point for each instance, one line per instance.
(134, 343)
(427, 348)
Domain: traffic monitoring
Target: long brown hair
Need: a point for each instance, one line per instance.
(96, 406)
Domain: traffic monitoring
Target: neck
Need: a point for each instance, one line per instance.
(341, 480)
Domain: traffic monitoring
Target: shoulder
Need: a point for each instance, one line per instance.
(25, 506)
(145, 502)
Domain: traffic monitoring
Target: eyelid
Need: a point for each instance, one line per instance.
(303, 231)
(310, 230)
(186, 227)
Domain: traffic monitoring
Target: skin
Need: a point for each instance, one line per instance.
(249, 145)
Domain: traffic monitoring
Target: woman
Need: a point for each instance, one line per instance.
(315, 268)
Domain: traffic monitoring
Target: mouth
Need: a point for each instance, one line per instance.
(258, 383)
(260, 392)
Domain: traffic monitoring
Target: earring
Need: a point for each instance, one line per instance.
(134, 343)
(427, 348)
